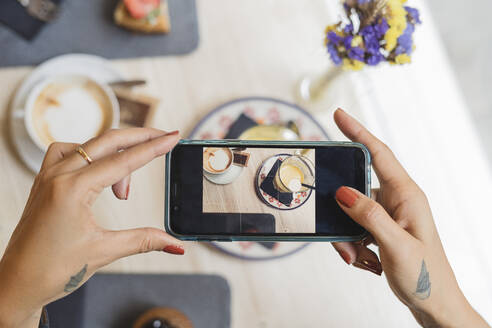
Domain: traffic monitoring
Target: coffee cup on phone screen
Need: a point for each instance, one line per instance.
(217, 160)
(69, 108)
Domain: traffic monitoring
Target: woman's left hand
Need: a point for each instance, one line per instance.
(57, 244)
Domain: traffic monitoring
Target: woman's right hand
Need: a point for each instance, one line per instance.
(400, 222)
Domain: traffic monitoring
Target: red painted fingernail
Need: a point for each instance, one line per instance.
(346, 196)
(127, 192)
(173, 249)
(374, 267)
(172, 133)
(345, 256)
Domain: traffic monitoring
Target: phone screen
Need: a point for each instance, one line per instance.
(263, 189)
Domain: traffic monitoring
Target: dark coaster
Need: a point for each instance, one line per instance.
(15, 17)
(240, 125)
(268, 187)
(117, 300)
(87, 26)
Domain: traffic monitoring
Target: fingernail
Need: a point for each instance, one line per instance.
(340, 109)
(345, 256)
(374, 267)
(173, 249)
(346, 196)
(127, 192)
(172, 133)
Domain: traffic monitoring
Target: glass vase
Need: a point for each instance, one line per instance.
(312, 88)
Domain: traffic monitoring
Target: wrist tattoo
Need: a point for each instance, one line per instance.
(423, 289)
(75, 280)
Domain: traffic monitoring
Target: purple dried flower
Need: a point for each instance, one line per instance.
(334, 38)
(356, 53)
(381, 28)
(370, 34)
(405, 41)
(347, 42)
(371, 41)
(375, 59)
(414, 14)
(346, 7)
(349, 28)
(368, 31)
(335, 57)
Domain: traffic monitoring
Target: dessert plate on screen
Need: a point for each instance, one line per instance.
(298, 199)
(238, 118)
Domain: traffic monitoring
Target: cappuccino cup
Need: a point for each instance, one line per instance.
(217, 160)
(69, 108)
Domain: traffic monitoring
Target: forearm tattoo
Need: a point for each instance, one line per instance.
(75, 280)
(423, 289)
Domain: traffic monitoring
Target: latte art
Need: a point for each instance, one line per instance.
(219, 160)
(216, 160)
(71, 111)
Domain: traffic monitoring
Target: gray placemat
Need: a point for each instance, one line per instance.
(116, 300)
(86, 26)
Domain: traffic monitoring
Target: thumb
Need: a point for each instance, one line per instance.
(372, 216)
(140, 240)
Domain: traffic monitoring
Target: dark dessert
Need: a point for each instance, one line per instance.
(163, 318)
(135, 109)
(241, 158)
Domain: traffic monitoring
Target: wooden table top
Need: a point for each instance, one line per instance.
(263, 48)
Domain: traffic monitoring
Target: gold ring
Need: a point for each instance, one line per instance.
(82, 153)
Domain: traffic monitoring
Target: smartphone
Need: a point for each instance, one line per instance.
(228, 190)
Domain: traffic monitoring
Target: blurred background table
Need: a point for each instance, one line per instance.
(263, 48)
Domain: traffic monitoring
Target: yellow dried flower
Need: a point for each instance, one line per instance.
(330, 28)
(354, 65)
(356, 41)
(402, 59)
(397, 23)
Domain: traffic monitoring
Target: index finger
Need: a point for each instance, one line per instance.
(56, 152)
(109, 142)
(113, 168)
(387, 167)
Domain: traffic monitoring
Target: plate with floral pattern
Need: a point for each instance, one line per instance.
(265, 111)
(298, 198)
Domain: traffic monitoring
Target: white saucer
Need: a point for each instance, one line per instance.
(94, 67)
(224, 178)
